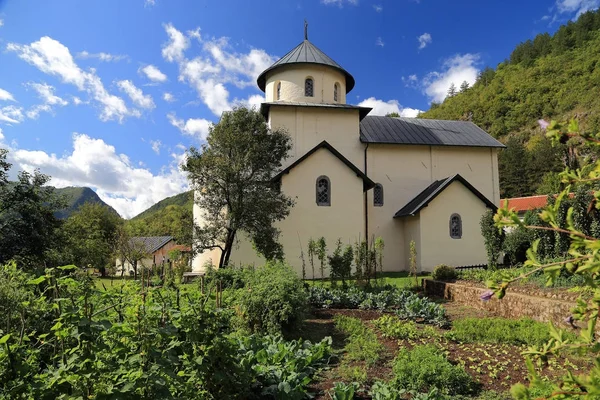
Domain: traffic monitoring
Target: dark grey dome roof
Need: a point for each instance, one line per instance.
(305, 53)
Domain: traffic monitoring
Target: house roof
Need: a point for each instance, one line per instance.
(423, 198)
(362, 111)
(151, 243)
(367, 183)
(523, 204)
(431, 132)
(305, 53)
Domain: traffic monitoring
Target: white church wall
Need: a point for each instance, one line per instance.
(412, 231)
(440, 247)
(292, 79)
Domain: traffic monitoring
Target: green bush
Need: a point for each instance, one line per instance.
(523, 331)
(444, 273)
(274, 299)
(426, 367)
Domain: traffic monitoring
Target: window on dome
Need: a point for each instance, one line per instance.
(308, 87)
(278, 94)
(336, 91)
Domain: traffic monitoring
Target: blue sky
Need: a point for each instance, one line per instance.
(109, 94)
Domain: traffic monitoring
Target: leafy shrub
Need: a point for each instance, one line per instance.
(426, 367)
(523, 331)
(362, 343)
(443, 273)
(229, 277)
(392, 327)
(340, 262)
(273, 299)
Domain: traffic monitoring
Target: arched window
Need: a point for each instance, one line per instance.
(278, 94)
(455, 226)
(323, 191)
(378, 195)
(309, 87)
(336, 91)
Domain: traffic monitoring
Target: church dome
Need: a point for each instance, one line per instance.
(305, 53)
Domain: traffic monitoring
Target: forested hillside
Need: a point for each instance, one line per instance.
(75, 197)
(549, 77)
(171, 216)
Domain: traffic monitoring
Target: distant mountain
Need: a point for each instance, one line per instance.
(76, 197)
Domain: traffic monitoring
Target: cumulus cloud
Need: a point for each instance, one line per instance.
(156, 146)
(6, 96)
(49, 99)
(136, 94)
(105, 57)
(96, 164)
(154, 74)
(11, 114)
(168, 97)
(424, 40)
(217, 66)
(53, 58)
(193, 127)
(576, 7)
(381, 107)
(455, 70)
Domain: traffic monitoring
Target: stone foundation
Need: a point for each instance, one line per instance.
(513, 305)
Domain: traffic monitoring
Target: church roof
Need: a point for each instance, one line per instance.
(362, 111)
(431, 132)
(305, 53)
(367, 183)
(423, 198)
(151, 243)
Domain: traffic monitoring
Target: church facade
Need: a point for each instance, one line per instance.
(355, 176)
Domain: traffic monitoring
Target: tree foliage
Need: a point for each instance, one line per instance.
(493, 238)
(233, 176)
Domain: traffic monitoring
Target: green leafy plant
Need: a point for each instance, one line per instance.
(321, 252)
(393, 327)
(340, 263)
(343, 391)
(493, 238)
(444, 273)
(362, 343)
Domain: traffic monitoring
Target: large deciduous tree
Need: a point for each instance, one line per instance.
(233, 178)
(27, 221)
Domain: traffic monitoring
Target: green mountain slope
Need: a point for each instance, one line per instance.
(550, 77)
(171, 216)
(77, 196)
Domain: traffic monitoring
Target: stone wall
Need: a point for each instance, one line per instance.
(513, 305)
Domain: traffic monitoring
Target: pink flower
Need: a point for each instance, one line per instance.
(543, 124)
(487, 295)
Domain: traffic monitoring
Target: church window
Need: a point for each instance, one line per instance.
(323, 191)
(336, 91)
(455, 226)
(309, 87)
(278, 96)
(378, 195)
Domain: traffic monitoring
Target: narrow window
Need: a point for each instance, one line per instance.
(378, 195)
(336, 90)
(308, 87)
(278, 91)
(323, 191)
(455, 226)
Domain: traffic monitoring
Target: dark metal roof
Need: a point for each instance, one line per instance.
(362, 111)
(431, 132)
(367, 183)
(305, 52)
(151, 243)
(423, 198)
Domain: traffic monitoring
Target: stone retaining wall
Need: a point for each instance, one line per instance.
(513, 305)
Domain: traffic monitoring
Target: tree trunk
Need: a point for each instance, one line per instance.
(135, 270)
(226, 253)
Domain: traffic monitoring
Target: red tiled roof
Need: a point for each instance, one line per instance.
(181, 248)
(522, 204)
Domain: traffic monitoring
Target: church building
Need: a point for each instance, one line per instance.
(355, 176)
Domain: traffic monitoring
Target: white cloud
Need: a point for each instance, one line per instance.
(178, 43)
(53, 58)
(577, 7)
(149, 3)
(11, 114)
(455, 70)
(410, 81)
(378, 8)
(168, 97)
(379, 42)
(136, 94)
(76, 100)
(1, 136)
(49, 99)
(6, 96)
(115, 178)
(156, 146)
(193, 127)
(154, 74)
(1, 22)
(339, 3)
(195, 34)
(381, 107)
(424, 40)
(105, 57)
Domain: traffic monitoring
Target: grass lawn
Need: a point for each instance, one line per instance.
(108, 282)
(399, 279)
